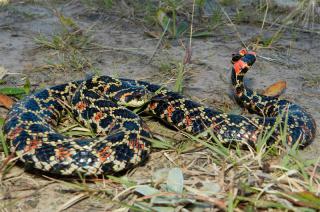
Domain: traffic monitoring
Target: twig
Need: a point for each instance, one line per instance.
(187, 57)
(271, 59)
(232, 24)
(264, 17)
(159, 42)
(219, 203)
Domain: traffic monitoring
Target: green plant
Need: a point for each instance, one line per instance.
(70, 44)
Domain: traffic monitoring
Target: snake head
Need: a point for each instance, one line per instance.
(132, 97)
(242, 61)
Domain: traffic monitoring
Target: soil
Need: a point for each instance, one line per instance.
(126, 54)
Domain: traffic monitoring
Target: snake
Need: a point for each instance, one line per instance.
(122, 140)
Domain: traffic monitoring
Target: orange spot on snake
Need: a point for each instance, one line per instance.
(239, 65)
(188, 121)
(50, 108)
(124, 96)
(136, 144)
(32, 145)
(98, 116)
(289, 139)
(15, 132)
(104, 154)
(81, 106)
(153, 105)
(62, 153)
(170, 109)
(243, 52)
(254, 136)
(106, 88)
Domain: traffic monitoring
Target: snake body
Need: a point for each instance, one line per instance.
(122, 137)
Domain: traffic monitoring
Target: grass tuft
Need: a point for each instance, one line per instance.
(70, 46)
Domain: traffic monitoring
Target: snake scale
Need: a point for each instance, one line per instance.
(104, 105)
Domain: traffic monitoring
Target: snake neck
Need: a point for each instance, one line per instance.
(246, 97)
(267, 106)
(237, 82)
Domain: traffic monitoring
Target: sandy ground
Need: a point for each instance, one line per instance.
(208, 80)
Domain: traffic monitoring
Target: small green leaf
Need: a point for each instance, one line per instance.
(163, 20)
(122, 180)
(2, 138)
(161, 144)
(67, 21)
(182, 28)
(12, 91)
(171, 200)
(202, 34)
(146, 190)
(261, 203)
(210, 188)
(307, 199)
(175, 181)
(164, 209)
(27, 86)
(160, 175)
(1, 122)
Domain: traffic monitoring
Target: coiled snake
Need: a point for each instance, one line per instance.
(101, 104)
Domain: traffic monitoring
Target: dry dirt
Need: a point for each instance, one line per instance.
(207, 80)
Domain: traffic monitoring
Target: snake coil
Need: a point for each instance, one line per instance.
(122, 136)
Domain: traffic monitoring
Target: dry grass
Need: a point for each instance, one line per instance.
(188, 172)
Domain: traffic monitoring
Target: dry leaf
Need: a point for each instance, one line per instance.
(275, 89)
(73, 201)
(6, 101)
(153, 34)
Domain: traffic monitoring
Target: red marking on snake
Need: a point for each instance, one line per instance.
(289, 139)
(245, 136)
(81, 106)
(215, 126)
(106, 88)
(124, 96)
(62, 153)
(98, 116)
(104, 154)
(239, 93)
(254, 137)
(32, 145)
(188, 121)
(50, 108)
(170, 110)
(239, 65)
(12, 135)
(136, 144)
(153, 105)
(243, 52)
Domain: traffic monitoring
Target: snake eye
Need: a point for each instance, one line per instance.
(235, 57)
(132, 97)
